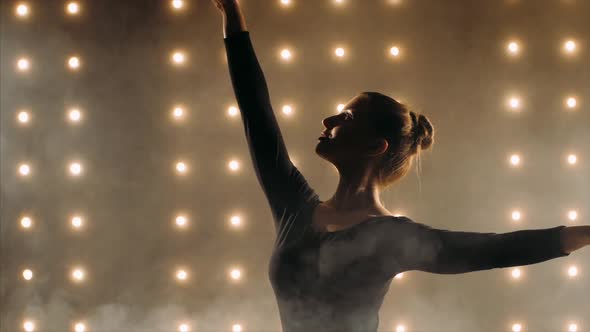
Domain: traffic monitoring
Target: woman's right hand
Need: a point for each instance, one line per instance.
(226, 6)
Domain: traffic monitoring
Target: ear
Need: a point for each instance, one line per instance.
(378, 147)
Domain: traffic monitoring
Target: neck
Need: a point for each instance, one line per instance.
(357, 190)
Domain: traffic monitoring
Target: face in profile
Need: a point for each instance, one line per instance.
(350, 135)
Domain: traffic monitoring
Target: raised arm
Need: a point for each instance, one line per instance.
(284, 186)
(423, 248)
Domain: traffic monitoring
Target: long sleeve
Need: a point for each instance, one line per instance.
(420, 247)
(284, 186)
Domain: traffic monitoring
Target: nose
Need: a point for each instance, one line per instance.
(330, 121)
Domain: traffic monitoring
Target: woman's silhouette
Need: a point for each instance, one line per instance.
(333, 261)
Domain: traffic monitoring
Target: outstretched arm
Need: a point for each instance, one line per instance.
(285, 188)
(575, 237)
(428, 249)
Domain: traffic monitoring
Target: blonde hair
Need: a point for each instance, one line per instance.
(407, 133)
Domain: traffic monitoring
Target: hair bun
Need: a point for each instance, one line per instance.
(423, 130)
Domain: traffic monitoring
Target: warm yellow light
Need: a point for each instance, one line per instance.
(80, 327)
(181, 275)
(235, 221)
(516, 327)
(339, 52)
(177, 4)
(178, 58)
(178, 112)
(181, 220)
(74, 115)
(78, 274)
(236, 328)
(74, 63)
(235, 274)
(73, 8)
(184, 328)
(27, 274)
(516, 215)
(24, 169)
(569, 46)
(234, 165)
(181, 167)
(233, 111)
(572, 159)
(23, 117)
(23, 64)
(572, 327)
(21, 10)
(515, 103)
(515, 160)
(571, 102)
(572, 271)
(400, 328)
(75, 168)
(286, 54)
(394, 51)
(26, 222)
(29, 326)
(516, 273)
(513, 48)
(287, 109)
(572, 215)
(76, 221)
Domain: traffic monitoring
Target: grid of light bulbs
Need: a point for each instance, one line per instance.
(179, 58)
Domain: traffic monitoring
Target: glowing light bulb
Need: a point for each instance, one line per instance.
(287, 110)
(24, 169)
(569, 46)
(80, 327)
(233, 111)
(23, 64)
(27, 274)
(572, 159)
(178, 58)
(516, 273)
(234, 165)
(26, 222)
(572, 215)
(29, 326)
(394, 51)
(571, 102)
(572, 271)
(73, 8)
(75, 168)
(74, 115)
(339, 52)
(181, 275)
(21, 10)
(78, 274)
(513, 48)
(23, 117)
(74, 63)
(181, 167)
(183, 328)
(286, 54)
(515, 160)
(177, 4)
(235, 274)
(515, 103)
(516, 215)
(76, 221)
